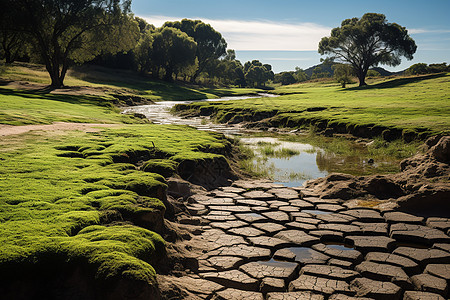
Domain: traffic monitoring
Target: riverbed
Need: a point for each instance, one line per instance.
(278, 157)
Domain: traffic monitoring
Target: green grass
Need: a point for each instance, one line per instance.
(24, 107)
(419, 105)
(121, 81)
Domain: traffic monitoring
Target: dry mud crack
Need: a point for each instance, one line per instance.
(258, 240)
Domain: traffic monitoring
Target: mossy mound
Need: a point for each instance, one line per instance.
(90, 213)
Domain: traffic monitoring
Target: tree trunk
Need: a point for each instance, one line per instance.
(361, 77)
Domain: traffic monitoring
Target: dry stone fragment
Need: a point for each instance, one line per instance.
(233, 208)
(251, 217)
(327, 271)
(344, 228)
(225, 262)
(440, 270)
(372, 228)
(246, 231)
(409, 266)
(284, 193)
(193, 285)
(424, 256)
(288, 209)
(439, 223)
(401, 217)
(345, 297)
(269, 242)
(243, 251)
(275, 204)
(251, 202)
(319, 285)
(277, 269)
(270, 228)
(445, 247)
(328, 235)
(301, 226)
(417, 234)
(259, 195)
(301, 204)
(297, 237)
(414, 295)
(365, 215)
(351, 255)
(382, 272)
(330, 207)
(220, 218)
(303, 255)
(294, 296)
(269, 284)
(371, 243)
(217, 201)
(228, 224)
(277, 216)
(430, 283)
(233, 279)
(336, 218)
(365, 287)
(340, 263)
(307, 220)
(236, 294)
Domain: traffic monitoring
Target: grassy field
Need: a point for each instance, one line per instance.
(120, 81)
(417, 105)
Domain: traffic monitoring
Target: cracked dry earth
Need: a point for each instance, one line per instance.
(258, 240)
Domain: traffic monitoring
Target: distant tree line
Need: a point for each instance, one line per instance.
(422, 68)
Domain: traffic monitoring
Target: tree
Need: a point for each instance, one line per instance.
(300, 74)
(73, 31)
(257, 74)
(368, 42)
(343, 73)
(285, 78)
(210, 43)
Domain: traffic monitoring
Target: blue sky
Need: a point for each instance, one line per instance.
(285, 33)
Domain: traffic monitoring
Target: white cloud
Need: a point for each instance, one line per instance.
(421, 30)
(261, 35)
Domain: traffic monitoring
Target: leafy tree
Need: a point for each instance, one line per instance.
(257, 74)
(343, 73)
(285, 78)
(368, 42)
(438, 68)
(319, 72)
(210, 43)
(300, 74)
(73, 31)
(172, 50)
(419, 68)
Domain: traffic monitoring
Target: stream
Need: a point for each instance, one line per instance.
(289, 163)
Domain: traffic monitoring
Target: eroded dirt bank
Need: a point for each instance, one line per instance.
(338, 237)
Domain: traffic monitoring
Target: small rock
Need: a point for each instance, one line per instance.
(414, 295)
(319, 285)
(235, 294)
(269, 284)
(440, 270)
(294, 296)
(365, 287)
(430, 283)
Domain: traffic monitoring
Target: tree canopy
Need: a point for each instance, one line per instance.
(72, 31)
(368, 42)
(210, 43)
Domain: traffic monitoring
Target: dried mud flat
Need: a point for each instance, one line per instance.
(258, 240)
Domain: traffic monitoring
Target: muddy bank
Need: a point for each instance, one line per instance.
(423, 185)
(265, 120)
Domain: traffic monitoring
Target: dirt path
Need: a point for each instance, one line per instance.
(6, 130)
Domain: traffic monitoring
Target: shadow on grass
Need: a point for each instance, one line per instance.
(396, 82)
(44, 93)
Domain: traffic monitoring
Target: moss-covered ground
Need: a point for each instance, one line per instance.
(79, 195)
(417, 105)
(92, 198)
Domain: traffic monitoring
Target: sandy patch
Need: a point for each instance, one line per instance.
(57, 126)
